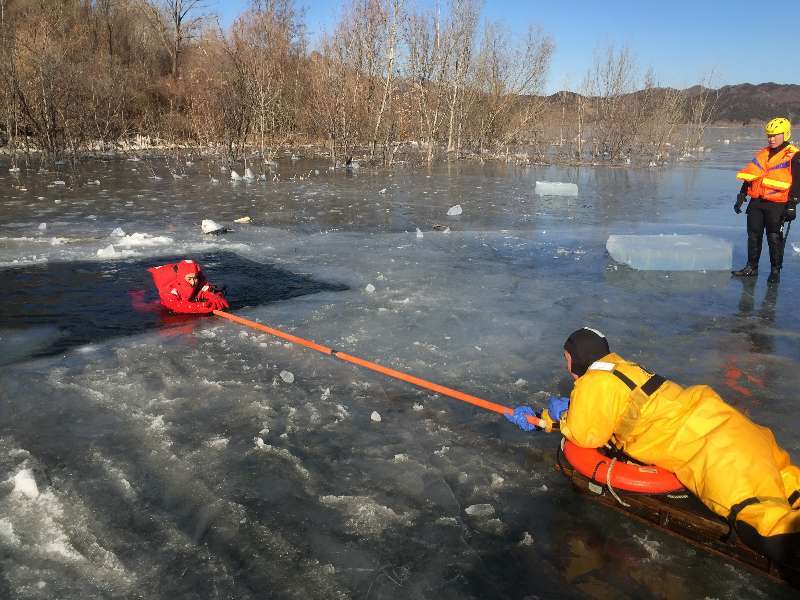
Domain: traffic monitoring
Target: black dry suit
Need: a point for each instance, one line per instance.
(763, 214)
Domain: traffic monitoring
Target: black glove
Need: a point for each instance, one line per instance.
(740, 199)
(790, 214)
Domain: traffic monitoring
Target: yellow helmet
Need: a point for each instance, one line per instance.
(779, 125)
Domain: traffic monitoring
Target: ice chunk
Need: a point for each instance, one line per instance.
(235, 176)
(370, 289)
(25, 484)
(480, 510)
(287, 376)
(419, 233)
(382, 191)
(555, 188)
(42, 226)
(242, 220)
(671, 252)
(796, 247)
(209, 226)
(454, 211)
(375, 416)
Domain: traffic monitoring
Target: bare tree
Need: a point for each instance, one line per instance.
(510, 77)
(700, 112)
(177, 22)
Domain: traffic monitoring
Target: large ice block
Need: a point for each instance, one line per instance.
(671, 252)
(555, 188)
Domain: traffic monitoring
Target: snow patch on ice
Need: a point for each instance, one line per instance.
(651, 546)
(7, 534)
(283, 454)
(365, 516)
(217, 442)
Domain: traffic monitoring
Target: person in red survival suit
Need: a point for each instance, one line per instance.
(182, 288)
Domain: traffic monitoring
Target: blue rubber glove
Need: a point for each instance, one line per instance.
(518, 418)
(556, 406)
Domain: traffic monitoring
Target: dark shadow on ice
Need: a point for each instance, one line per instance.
(757, 323)
(50, 308)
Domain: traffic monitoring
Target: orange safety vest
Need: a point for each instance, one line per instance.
(769, 178)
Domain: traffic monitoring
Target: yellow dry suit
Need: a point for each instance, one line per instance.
(732, 465)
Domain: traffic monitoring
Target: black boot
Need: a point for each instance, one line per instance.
(775, 243)
(746, 271)
(753, 255)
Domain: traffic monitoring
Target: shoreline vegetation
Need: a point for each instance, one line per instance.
(388, 83)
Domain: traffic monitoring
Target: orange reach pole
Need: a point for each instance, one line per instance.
(428, 385)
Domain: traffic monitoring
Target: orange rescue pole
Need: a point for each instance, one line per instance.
(428, 385)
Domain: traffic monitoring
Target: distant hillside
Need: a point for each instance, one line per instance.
(745, 103)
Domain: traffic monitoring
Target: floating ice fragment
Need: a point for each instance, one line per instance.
(214, 180)
(59, 182)
(209, 226)
(93, 182)
(400, 458)
(118, 232)
(480, 510)
(235, 176)
(419, 233)
(726, 142)
(42, 226)
(370, 289)
(13, 170)
(417, 406)
(375, 416)
(796, 247)
(671, 252)
(25, 484)
(555, 188)
(527, 539)
(454, 211)
(243, 220)
(520, 382)
(326, 393)
(287, 376)
(382, 191)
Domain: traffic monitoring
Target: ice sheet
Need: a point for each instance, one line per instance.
(671, 252)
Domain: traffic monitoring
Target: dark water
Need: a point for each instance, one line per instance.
(89, 302)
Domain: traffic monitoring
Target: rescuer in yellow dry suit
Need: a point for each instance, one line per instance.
(732, 465)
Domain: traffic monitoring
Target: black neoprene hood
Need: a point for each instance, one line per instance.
(585, 346)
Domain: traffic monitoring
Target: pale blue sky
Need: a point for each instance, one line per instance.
(682, 40)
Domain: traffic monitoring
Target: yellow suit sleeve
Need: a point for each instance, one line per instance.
(595, 405)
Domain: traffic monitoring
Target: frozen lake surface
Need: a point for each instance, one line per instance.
(149, 456)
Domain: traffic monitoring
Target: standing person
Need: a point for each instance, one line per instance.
(182, 288)
(732, 465)
(772, 180)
